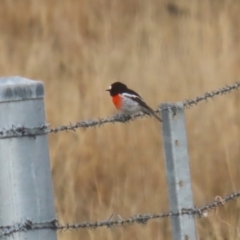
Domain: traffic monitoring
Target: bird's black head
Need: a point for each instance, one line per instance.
(117, 88)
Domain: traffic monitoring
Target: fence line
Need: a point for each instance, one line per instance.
(44, 128)
(13, 92)
(28, 224)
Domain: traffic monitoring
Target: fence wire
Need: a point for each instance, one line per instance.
(45, 129)
(29, 225)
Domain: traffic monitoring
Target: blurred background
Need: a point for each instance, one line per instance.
(165, 50)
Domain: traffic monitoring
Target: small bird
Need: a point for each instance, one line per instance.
(128, 101)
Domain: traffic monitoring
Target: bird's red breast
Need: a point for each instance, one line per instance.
(117, 100)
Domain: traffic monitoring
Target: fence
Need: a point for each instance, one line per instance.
(26, 205)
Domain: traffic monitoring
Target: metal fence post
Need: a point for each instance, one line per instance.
(178, 172)
(25, 180)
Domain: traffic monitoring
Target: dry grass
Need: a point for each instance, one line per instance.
(167, 51)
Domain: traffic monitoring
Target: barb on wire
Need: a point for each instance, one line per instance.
(45, 129)
(138, 219)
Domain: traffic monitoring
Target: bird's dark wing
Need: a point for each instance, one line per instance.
(146, 109)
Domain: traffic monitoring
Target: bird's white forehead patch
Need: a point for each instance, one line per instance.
(110, 87)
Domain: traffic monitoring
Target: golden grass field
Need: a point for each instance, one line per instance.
(167, 51)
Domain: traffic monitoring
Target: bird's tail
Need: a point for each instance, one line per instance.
(151, 112)
(156, 116)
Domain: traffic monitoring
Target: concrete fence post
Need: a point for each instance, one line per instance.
(25, 180)
(178, 171)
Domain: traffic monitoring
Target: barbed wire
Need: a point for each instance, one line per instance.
(29, 225)
(210, 95)
(140, 218)
(45, 129)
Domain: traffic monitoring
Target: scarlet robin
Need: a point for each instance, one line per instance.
(129, 102)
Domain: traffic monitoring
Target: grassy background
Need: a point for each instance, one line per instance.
(166, 51)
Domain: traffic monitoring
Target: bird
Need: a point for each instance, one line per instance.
(128, 102)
